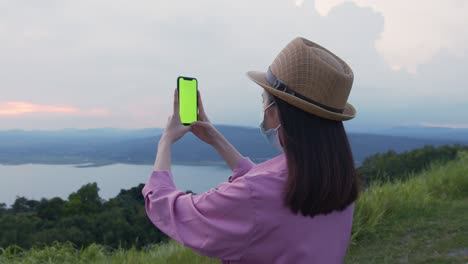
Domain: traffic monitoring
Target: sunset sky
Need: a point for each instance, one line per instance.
(114, 63)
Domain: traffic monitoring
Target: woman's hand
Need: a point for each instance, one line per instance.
(203, 128)
(174, 128)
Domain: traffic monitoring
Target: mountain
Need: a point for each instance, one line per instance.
(96, 133)
(427, 132)
(107, 146)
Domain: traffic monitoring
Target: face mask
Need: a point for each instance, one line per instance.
(271, 134)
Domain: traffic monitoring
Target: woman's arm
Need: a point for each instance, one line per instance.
(220, 143)
(202, 129)
(219, 223)
(163, 156)
(174, 131)
(229, 153)
(206, 131)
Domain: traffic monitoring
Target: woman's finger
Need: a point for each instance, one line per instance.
(195, 125)
(201, 109)
(186, 129)
(200, 104)
(176, 101)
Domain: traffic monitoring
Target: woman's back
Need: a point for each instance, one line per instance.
(280, 236)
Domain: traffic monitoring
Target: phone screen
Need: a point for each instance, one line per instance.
(187, 99)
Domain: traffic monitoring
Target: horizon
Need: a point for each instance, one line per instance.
(370, 131)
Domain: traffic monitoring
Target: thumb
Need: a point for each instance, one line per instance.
(198, 125)
(201, 123)
(195, 124)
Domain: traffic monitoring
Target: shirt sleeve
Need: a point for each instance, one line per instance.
(242, 167)
(218, 223)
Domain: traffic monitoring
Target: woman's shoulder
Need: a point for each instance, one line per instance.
(275, 165)
(268, 176)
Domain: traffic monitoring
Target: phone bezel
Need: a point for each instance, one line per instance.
(196, 88)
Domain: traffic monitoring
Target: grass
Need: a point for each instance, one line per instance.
(439, 184)
(421, 220)
(171, 252)
(438, 235)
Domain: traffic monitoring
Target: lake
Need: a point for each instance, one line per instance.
(35, 181)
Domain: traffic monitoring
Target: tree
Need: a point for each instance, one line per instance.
(50, 209)
(391, 165)
(22, 205)
(85, 201)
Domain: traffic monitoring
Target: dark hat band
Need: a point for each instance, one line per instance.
(282, 86)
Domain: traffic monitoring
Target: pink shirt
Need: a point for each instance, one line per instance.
(244, 221)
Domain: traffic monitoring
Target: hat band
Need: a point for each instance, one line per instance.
(282, 86)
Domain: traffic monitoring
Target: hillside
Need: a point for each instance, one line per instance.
(421, 220)
(427, 132)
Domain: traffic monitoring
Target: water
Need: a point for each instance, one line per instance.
(35, 181)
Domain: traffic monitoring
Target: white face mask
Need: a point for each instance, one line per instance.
(271, 134)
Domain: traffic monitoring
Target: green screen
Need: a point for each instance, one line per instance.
(188, 100)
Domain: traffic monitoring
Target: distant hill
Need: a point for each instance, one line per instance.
(427, 132)
(96, 133)
(107, 146)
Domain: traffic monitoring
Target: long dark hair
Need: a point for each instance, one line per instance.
(321, 172)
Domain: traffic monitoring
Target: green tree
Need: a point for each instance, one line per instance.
(50, 209)
(22, 205)
(85, 201)
(390, 165)
(3, 208)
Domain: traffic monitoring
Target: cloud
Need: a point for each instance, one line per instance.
(23, 108)
(125, 56)
(299, 3)
(415, 31)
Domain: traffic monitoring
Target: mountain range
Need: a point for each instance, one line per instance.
(102, 146)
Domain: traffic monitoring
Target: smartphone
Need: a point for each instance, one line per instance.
(188, 103)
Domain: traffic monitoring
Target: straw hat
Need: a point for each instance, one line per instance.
(310, 77)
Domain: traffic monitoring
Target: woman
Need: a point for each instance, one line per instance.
(294, 208)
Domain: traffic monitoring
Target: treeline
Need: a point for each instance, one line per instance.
(389, 166)
(83, 219)
(86, 218)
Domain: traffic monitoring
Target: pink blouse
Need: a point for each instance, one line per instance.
(244, 220)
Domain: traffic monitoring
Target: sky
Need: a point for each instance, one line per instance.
(114, 63)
